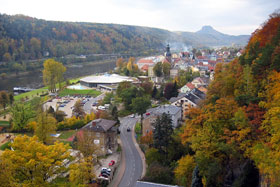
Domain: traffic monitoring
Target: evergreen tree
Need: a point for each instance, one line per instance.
(154, 93)
(162, 132)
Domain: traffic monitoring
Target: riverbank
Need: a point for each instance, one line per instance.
(35, 79)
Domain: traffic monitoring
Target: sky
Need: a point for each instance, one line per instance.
(233, 17)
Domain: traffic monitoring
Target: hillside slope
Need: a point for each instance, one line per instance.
(26, 38)
(235, 135)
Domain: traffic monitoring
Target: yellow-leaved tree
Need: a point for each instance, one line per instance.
(82, 173)
(53, 73)
(31, 163)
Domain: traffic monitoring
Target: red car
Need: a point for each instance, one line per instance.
(112, 163)
(147, 114)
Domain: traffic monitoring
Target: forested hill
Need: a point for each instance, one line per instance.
(235, 136)
(26, 38)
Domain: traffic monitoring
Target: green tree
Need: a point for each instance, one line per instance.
(162, 132)
(52, 74)
(152, 155)
(4, 99)
(140, 105)
(166, 69)
(11, 98)
(20, 116)
(158, 69)
(154, 92)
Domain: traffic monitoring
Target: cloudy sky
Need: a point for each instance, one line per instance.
(228, 16)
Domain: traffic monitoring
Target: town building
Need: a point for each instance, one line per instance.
(152, 114)
(187, 100)
(104, 80)
(103, 133)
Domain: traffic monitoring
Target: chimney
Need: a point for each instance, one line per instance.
(93, 123)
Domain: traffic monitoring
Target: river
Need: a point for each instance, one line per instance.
(35, 79)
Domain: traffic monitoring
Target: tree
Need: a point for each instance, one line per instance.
(154, 92)
(166, 69)
(6, 174)
(115, 115)
(52, 74)
(183, 172)
(85, 143)
(78, 109)
(119, 63)
(82, 173)
(4, 99)
(152, 155)
(162, 132)
(3, 75)
(33, 162)
(140, 105)
(11, 98)
(158, 69)
(20, 116)
(46, 124)
(169, 90)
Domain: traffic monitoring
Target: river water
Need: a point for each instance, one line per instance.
(35, 79)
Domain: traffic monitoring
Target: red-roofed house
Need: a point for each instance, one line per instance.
(188, 87)
(144, 61)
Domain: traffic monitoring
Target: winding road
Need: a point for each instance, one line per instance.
(133, 162)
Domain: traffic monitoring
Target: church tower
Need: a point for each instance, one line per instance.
(168, 53)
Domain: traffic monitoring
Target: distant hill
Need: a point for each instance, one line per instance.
(208, 36)
(26, 38)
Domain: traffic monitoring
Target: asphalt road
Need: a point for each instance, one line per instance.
(133, 162)
(88, 105)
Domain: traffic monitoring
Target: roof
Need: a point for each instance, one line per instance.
(198, 93)
(145, 61)
(100, 125)
(151, 184)
(190, 85)
(168, 109)
(106, 78)
(145, 67)
(191, 97)
(180, 96)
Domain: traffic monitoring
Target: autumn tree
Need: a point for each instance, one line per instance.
(46, 124)
(52, 74)
(82, 173)
(32, 162)
(78, 109)
(183, 172)
(85, 143)
(4, 99)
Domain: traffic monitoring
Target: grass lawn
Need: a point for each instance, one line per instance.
(138, 131)
(31, 94)
(5, 146)
(4, 124)
(66, 134)
(66, 92)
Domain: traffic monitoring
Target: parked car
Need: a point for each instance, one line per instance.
(147, 114)
(101, 108)
(105, 172)
(112, 163)
(128, 129)
(103, 175)
(107, 169)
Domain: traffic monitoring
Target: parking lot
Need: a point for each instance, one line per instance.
(67, 103)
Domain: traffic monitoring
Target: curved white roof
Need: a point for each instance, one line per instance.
(106, 78)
